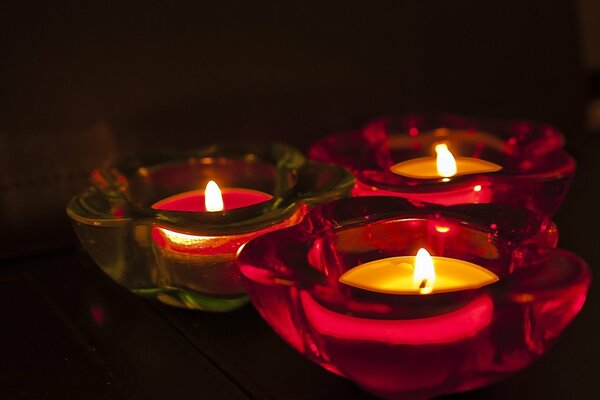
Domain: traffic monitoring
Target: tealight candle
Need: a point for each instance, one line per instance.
(156, 225)
(212, 199)
(444, 165)
(451, 160)
(189, 258)
(407, 275)
(340, 288)
(422, 274)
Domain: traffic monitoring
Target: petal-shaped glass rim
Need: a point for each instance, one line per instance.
(507, 223)
(520, 135)
(109, 189)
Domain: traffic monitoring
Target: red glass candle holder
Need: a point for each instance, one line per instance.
(421, 345)
(535, 171)
(144, 223)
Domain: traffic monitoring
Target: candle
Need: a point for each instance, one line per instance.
(204, 263)
(154, 225)
(422, 274)
(451, 160)
(416, 326)
(444, 165)
(212, 199)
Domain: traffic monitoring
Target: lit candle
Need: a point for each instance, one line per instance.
(517, 163)
(205, 263)
(154, 225)
(415, 327)
(212, 199)
(444, 165)
(354, 341)
(422, 274)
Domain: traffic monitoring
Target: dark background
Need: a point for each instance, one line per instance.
(282, 69)
(82, 83)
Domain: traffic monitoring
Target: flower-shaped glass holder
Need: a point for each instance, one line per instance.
(187, 258)
(535, 172)
(416, 345)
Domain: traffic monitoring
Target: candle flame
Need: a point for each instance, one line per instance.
(213, 199)
(446, 164)
(424, 272)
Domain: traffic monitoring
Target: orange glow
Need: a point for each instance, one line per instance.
(442, 229)
(213, 199)
(445, 161)
(184, 239)
(424, 272)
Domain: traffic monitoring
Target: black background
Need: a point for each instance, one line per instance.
(281, 68)
(81, 83)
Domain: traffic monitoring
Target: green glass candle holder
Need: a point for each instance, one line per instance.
(143, 223)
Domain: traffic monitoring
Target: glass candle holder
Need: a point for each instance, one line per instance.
(399, 344)
(144, 221)
(518, 163)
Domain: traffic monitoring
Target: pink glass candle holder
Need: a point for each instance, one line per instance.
(529, 167)
(147, 223)
(416, 345)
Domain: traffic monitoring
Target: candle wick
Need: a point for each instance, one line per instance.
(423, 284)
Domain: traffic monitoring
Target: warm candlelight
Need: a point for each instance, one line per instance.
(168, 225)
(422, 274)
(444, 165)
(188, 259)
(320, 286)
(445, 162)
(212, 199)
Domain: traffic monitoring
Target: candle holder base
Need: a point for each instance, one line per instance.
(535, 170)
(187, 258)
(416, 346)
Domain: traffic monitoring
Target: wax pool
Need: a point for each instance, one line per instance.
(395, 275)
(141, 224)
(444, 165)
(194, 201)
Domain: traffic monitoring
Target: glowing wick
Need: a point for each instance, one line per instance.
(445, 162)
(424, 272)
(213, 200)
